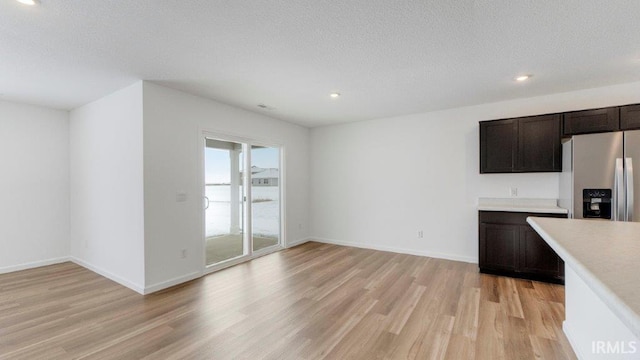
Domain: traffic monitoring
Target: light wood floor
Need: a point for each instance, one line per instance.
(225, 247)
(311, 302)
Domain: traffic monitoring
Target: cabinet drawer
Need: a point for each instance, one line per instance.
(591, 121)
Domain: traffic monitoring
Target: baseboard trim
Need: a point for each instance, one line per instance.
(298, 242)
(396, 250)
(126, 283)
(33, 264)
(171, 282)
(197, 274)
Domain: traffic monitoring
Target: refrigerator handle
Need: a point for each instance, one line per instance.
(628, 170)
(618, 193)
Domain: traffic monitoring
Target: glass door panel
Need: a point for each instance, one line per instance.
(224, 194)
(265, 196)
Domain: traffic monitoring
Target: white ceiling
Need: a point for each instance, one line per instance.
(386, 57)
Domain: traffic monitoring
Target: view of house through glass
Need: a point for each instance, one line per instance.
(224, 199)
(265, 196)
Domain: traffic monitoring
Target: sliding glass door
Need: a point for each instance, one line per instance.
(265, 196)
(236, 200)
(224, 201)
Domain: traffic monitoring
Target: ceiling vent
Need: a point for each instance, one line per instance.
(266, 107)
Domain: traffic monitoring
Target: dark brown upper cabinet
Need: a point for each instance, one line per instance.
(630, 117)
(591, 121)
(539, 144)
(498, 145)
(529, 144)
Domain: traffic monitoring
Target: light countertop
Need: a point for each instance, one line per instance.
(549, 206)
(605, 254)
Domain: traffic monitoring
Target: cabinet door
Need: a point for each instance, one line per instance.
(536, 256)
(539, 144)
(591, 121)
(498, 144)
(499, 246)
(630, 117)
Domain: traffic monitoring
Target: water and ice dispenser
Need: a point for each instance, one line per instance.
(596, 203)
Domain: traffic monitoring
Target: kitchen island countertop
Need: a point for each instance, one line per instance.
(605, 255)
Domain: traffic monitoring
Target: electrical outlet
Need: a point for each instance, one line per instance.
(420, 234)
(513, 191)
(183, 253)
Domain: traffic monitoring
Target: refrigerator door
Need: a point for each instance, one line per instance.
(632, 157)
(565, 199)
(594, 165)
(628, 180)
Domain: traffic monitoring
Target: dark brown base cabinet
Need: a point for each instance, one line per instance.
(510, 247)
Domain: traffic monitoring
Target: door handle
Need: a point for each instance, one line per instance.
(206, 206)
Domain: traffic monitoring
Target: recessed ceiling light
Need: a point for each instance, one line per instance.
(28, 2)
(523, 77)
(334, 95)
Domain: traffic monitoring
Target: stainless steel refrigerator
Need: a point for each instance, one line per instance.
(598, 179)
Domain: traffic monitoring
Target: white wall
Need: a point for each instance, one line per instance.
(173, 122)
(107, 214)
(34, 209)
(376, 183)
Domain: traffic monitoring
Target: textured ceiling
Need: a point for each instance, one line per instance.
(385, 57)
